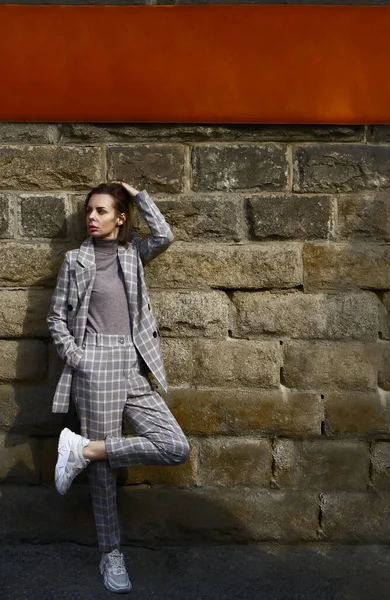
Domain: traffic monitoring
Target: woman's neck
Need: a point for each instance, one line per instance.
(106, 246)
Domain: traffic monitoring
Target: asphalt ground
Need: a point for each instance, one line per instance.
(67, 571)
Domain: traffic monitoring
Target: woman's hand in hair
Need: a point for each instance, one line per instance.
(132, 191)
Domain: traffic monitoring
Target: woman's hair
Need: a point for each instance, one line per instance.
(123, 203)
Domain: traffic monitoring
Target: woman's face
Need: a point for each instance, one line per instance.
(103, 220)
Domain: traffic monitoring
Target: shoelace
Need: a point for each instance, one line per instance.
(117, 563)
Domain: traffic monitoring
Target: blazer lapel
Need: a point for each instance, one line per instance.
(128, 261)
(85, 268)
(85, 271)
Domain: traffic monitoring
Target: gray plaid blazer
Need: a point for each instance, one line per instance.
(68, 312)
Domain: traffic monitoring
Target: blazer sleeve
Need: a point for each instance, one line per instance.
(160, 237)
(57, 319)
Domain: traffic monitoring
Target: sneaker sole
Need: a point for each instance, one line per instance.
(112, 588)
(63, 443)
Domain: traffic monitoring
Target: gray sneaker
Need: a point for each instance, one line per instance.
(115, 577)
(70, 459)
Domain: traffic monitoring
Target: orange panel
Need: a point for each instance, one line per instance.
(216, 64)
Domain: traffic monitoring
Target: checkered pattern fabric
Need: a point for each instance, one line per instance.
(110, 385)
(68, 312)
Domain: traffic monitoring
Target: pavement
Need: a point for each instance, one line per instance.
(68, 571)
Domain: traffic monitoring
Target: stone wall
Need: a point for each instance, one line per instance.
(272, 309)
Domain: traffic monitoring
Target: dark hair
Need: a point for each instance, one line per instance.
(123, 203)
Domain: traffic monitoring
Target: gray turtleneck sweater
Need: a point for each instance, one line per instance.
(108, 308)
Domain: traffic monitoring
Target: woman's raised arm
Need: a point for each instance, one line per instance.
(161, 236)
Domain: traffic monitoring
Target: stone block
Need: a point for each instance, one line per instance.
(28, 133)
(357, 414)
(184, 475)
(285, 216)
(200, 218)
(240, 412)
(346, 266)
(76, 218)
(191, 314)
(18, 459)
(239, 167)
(364, 216)
(313, 316)
(381, 465)
(236, 363)
(48, 458)
(378, 134)
(24, 264)
(386, 315)
(356, 517)
(39, 513)
(160, 515)
(43, 216)
(384, 369)
(322, 464)
(23, 312)
(321, 365)
(7, 216)
(158, 168)
(217, 515)
(340, 168)
(251, 266)
(177, 360)
(309, 133)
(26, 409)
(235, 461)
(86, 133)
(24, 360)
(47, 167)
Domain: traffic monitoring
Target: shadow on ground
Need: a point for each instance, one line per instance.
(266, 572)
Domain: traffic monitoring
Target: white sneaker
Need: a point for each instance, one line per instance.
(70, 459)
(115, 577)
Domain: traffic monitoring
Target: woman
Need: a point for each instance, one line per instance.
(103, 327)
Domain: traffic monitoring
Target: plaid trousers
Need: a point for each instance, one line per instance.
(109, 385)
